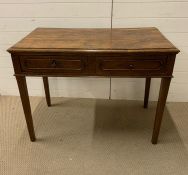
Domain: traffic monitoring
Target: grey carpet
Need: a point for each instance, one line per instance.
(92, 136)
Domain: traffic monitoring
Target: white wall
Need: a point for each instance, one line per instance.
(19, 17)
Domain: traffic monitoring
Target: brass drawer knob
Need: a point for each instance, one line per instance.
(131, 66)
(54, 63)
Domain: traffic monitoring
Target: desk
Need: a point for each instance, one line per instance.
(131, 52)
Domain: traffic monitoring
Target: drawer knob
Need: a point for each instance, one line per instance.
(54, 63)
(131, 66)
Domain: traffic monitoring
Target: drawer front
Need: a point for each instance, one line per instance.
(53, 64)
(131, 65)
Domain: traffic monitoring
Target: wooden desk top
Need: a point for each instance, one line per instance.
(92, 40)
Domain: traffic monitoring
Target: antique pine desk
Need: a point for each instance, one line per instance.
(132, 52)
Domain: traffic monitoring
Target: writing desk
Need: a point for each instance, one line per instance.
(132, 52)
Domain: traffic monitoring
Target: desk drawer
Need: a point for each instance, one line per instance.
(131, 65)
(63, 64)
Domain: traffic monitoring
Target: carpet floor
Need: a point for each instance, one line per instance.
(92, 137)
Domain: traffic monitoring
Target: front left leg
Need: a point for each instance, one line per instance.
(21, 80)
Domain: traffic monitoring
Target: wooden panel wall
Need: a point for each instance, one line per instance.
(171, 17)
(19, 17)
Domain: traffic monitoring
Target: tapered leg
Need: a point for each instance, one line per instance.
(47, 90)
(22, 85)
(165, 83)
(147, 88)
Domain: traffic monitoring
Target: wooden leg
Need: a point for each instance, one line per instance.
(147, 88)
(47, 90)
(165, 83)
(22, 85)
